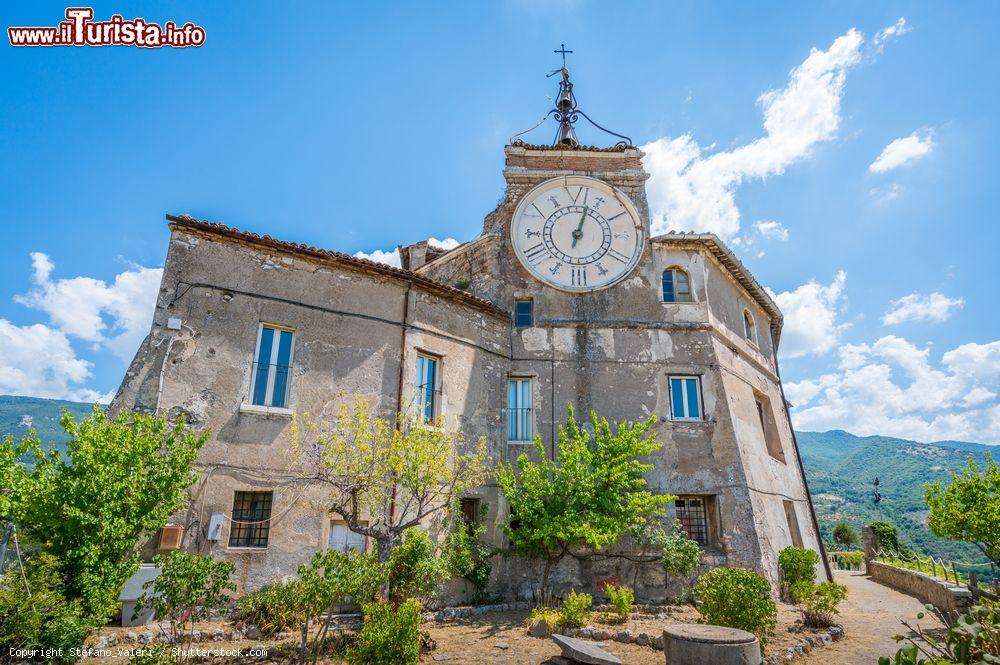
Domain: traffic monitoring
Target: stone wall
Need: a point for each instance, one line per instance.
(947, 597)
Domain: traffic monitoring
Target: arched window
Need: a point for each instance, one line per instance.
(748, 327)
(676, 286)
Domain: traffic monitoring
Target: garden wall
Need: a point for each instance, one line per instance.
(947, 597)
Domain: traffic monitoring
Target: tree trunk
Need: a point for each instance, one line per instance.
(384, 545)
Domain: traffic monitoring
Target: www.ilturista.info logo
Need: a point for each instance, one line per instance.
(80, 30)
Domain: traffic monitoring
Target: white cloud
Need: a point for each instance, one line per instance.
(903, 151)
(691, 190)
(114, 316)
(390, 257)
(890, 33)
(810, 312)
(916, 307)
(38, 360)
(892, 387)
(882, 195)
(770, 229)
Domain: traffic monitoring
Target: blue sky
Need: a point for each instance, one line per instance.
(856, 180)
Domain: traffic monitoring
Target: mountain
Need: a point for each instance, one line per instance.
(841, 467)
(20, 414)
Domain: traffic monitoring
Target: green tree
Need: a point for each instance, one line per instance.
(592, 494)
(845, 535)
(968, 508)
(93, 507)
(186, 591)
(387, 476)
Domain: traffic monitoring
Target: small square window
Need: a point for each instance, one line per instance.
(685, 398)
(693, 518)
(251, 519)
(524, 313)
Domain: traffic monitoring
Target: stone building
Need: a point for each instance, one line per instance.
(563, 297)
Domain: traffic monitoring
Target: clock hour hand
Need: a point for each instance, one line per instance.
(578, 231)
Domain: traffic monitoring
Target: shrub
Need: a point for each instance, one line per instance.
(414, 570)
(548, 616)
(971, 638)
(622, 598)
(849, 560)
(273, 608)
(42, 618)
(574, 610)
(821, 604)
(798, 568)
(737, 598)
(390, 635)
(888, 537)
(468, 557)
(681, 555)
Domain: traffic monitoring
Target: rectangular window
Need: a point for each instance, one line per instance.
(793, 523)
(768, 427)
(519, 414)
(344, 540)
(271, 370)
(693, 518)
(685, 398)
(524, 313)
(251, 519)
(426, 387)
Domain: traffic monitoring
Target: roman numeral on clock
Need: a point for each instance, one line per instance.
(536, 254)
(615, 254)
(579, 277)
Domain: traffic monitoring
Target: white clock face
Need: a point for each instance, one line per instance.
(577, 233)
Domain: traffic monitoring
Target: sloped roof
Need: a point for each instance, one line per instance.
(308, 251)
(725, 256)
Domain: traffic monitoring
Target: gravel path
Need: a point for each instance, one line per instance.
(871, 617)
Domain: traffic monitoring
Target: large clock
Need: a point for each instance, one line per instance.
(577, 233)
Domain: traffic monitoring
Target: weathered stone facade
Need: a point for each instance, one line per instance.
(359, 327)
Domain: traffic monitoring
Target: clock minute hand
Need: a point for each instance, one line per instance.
(578, 231)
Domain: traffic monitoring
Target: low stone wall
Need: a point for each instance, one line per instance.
(947, 597)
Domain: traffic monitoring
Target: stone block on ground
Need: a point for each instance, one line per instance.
(582, 651)
(698, 644)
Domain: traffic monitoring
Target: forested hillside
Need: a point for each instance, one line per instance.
(841, 467)
(18, 415)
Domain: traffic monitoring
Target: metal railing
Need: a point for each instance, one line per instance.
(519, 424)
(935, 566)
(270, 384)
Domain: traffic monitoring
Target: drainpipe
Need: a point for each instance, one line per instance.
(798, 458)
(399, 384)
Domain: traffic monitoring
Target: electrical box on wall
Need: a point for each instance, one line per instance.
(173, 324)
(215, 527)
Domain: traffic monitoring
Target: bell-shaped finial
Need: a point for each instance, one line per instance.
(566, 136)
(565, 103)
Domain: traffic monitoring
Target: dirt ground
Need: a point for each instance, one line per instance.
(870, 616)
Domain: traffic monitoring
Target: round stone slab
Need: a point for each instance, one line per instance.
(696, 644)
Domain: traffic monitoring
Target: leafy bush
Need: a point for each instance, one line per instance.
(965, 509)
(849, 560)
(798, 568)
(550, 617)
(888, 537)
(414, 570)
(42, 618)
(273, 608)
(821, 604)
(972, 638)
(622, 598)
(681, 555)
(467, 556)
(187, 589)
(737, 598)
(574, 610)
(845, 535)
(390, 635)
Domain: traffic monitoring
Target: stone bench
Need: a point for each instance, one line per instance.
(697, 644)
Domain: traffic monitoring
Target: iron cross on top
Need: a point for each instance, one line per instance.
(563, 51)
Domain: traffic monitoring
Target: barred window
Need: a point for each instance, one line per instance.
(519, 414)
(271, 370)
(251, 519)
(693, 519)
